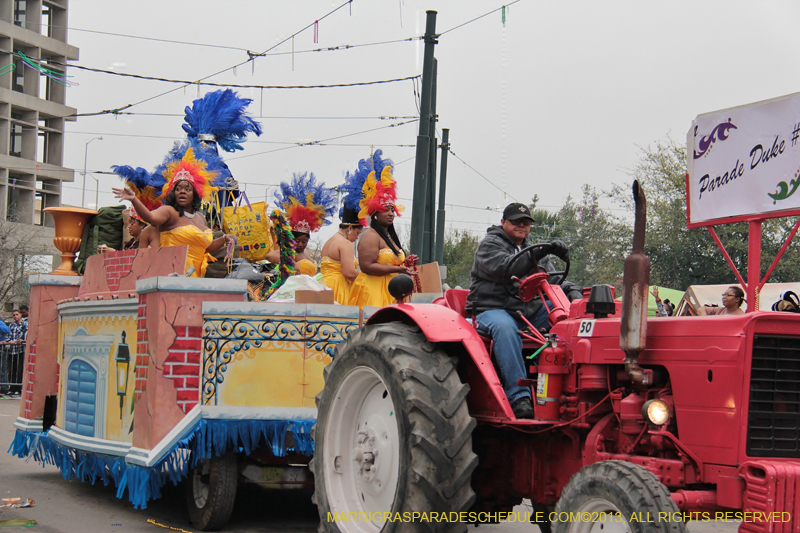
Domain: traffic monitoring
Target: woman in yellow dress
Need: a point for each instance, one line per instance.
(339, 266)
(380, 255)
(307, 206)
(188, 182)
(303, 263)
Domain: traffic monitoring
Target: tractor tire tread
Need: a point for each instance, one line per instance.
(223, 480)
(643, 491)
(439, 428)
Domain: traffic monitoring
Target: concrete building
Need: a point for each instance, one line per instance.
(33, 110)
(33, 113)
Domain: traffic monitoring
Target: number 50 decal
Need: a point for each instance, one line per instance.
(586, 328)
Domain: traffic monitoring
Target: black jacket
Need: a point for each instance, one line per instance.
(486, 290)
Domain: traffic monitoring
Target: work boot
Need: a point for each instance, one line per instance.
(523, 408)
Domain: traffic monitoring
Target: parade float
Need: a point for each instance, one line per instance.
(138, 376)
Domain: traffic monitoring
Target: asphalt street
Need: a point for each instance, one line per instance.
(73, 506)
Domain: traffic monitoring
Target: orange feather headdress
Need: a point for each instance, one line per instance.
(192, 170)
(378, 194)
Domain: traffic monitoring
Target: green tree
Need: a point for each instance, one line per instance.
(546, 226)
(458, 255)
(597, 242)
(680, 256)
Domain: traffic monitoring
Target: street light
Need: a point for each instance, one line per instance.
(96, 189)
(85, 153)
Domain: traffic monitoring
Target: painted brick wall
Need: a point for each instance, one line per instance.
(184, 363)
(29, 385)
(117, 265)
(142, 349)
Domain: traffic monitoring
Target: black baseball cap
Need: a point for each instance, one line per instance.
(516, 211)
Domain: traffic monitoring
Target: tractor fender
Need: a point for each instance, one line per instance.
(437, 322)
(441, 324)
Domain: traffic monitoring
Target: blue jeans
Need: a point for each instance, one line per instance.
(507, 347)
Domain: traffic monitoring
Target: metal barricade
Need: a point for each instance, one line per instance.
(12, 359)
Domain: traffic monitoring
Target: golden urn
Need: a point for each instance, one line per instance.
(70, 222)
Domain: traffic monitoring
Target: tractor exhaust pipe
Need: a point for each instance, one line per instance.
(636, 284)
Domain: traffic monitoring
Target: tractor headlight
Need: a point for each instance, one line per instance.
(656, 412)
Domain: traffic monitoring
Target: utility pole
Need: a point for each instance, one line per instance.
(421, 169)
(430, 199)
(439, 255)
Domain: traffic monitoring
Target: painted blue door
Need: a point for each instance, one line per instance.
(80, 407)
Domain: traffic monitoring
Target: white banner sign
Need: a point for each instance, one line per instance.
(744, 161)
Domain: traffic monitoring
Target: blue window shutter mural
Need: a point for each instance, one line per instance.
(80, 408)
(86, 360)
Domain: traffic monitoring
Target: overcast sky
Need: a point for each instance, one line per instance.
(561, 95)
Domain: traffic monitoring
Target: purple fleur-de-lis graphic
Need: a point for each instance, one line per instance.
(719, 132)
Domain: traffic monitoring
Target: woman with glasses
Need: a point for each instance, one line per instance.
(732, 300)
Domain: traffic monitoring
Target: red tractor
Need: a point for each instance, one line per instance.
(640, 424)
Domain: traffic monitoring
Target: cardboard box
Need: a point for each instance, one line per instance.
(430, 277)
(313, 297)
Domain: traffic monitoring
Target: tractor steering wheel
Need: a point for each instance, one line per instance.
(512, 287)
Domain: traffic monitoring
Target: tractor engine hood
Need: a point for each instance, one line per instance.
(636, 284)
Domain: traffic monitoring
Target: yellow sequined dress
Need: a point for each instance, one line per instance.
(374, 290)
(197, 239)
(335, 280)
(304, 266)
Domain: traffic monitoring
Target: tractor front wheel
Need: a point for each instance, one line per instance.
(393, 436)
(616, 497)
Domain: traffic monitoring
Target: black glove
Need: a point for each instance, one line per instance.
(560, 250)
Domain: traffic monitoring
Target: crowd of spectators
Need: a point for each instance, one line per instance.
(12, 351)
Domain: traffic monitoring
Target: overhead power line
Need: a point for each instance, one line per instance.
(170, 41)
(224, 47)
(505, 6)
(249, 142)
(251, 58)
(238, 86)
(14, 20)
(386, 117)
(490, 182)
(319, 142)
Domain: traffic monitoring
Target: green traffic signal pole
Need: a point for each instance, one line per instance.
(421, 169)
(430, 198)
(439, 255)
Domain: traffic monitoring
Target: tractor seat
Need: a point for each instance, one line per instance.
(456, 299)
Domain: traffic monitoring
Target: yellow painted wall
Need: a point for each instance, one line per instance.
(117, 429)
(279, 373)
(270, 375)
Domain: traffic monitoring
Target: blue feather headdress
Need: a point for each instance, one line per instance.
(353, 184)
(220, 114)
(308, 205)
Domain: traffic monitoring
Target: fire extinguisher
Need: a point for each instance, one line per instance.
(550, 381)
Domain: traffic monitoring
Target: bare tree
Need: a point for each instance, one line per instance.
(22, 253)
(314, 248)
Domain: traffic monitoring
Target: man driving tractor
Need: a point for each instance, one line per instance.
(496, 310)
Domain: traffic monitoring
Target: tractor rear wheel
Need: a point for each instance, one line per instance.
(393, 435)
(616, 496)
(211, 492)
